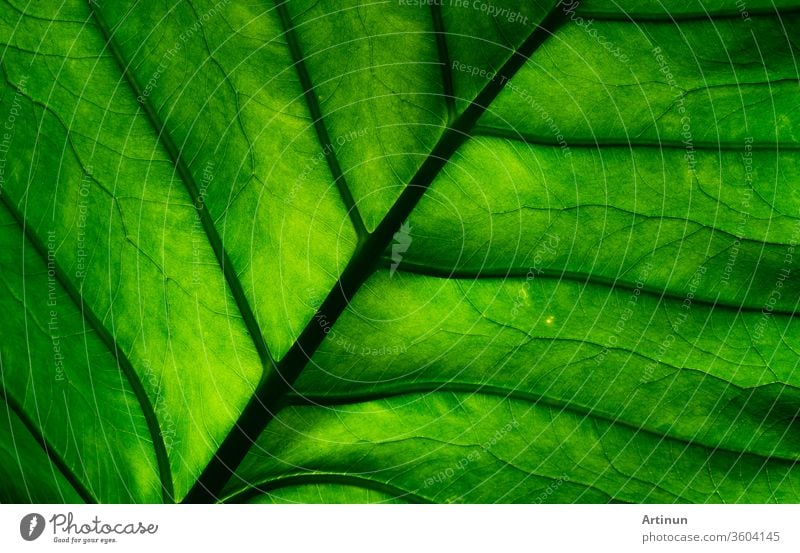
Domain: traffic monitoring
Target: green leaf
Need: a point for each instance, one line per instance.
(347, 252)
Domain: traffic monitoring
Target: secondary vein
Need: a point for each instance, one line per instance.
(52, 454)
(444, 59)
(310, 95)
(412, 388)
(434, 271)
(108, 340)
(597, 143)
(209, 228)
(688, 17)
(267, 486)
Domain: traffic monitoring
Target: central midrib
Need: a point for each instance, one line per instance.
(271, 394)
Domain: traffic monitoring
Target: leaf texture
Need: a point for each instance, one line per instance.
(351, 251)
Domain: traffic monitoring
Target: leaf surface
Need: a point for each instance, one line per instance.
(367, 252)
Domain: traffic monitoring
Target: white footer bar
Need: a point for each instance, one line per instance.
(399, 528)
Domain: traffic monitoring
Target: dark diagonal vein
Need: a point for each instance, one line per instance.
(271, 393)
